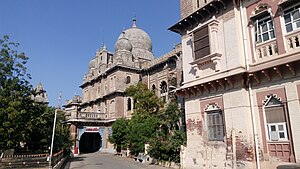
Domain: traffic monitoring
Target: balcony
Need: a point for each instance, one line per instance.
(293, 41)
(266, 50)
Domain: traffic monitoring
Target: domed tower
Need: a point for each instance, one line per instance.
(123, 49)
(140, 41)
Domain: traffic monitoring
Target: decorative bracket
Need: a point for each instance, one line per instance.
(291, 68)
(266, 74)
(278, 71)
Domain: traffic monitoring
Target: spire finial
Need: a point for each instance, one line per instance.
(134, 22)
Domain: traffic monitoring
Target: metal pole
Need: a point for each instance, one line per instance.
(52, 140)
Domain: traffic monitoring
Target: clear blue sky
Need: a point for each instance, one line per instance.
(61, 36)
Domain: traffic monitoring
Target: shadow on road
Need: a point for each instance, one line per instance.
(77, 158)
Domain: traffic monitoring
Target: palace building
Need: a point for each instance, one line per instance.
(241, 85)
(110, 73)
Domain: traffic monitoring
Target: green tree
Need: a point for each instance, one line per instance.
(16, 105)
(141, 130)
(39, 136)
(39, 128)
(166, 144)
(120, 134)
(145, 119)
(22, 120)
(62, 139)
(152, 122)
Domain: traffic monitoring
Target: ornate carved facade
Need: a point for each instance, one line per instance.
(241, 65)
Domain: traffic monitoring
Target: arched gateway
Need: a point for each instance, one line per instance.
(90, 139)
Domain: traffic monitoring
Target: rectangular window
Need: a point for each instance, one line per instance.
(277, 131)
(201, 42)
(292, 18)
(215, 125)
(264, 30)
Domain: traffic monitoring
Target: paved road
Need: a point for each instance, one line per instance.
(106, 161)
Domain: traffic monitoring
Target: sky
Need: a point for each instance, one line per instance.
(60, 37)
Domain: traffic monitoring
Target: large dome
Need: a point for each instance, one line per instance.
(140, 41)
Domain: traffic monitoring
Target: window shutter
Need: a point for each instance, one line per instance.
(275, 114)
(256, 31)
(201, 42)
(215, 125)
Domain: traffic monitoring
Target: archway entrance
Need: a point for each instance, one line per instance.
(90, 142)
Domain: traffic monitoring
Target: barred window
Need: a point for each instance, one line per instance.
(215, 125)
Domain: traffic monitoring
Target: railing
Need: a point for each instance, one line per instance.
(293, 41)
(57, 157)
(90, 115)
(24, 161)
(30, 160)
(266, 50)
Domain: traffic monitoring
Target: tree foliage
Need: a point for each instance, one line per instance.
(15, 91)
(166, 144)
(24, 125)
(120, 134)
(39, 136)
(152, 123)
(145, 119)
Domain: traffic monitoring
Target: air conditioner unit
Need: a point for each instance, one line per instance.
(274, 136)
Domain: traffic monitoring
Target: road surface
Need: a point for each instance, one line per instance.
(106, 161)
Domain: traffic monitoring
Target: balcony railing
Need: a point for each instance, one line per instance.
(293, 41)
(266, 50)
(90, 115)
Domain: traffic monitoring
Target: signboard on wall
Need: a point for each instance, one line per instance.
(92, 129)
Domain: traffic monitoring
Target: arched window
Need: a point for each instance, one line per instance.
(112, 106)
(163, 88)
(214, 121)
(128, 79)
(128, 104)
(153, 87)
(275, 119)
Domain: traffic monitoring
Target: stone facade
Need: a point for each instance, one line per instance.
(241, 83)
(110, 73)
(40, 94)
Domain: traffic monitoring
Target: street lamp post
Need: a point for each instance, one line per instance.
(52, 140)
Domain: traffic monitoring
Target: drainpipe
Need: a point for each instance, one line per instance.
(249, 85)
(254, 127)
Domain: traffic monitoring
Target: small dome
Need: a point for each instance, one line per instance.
(92, 64)
(123, 44)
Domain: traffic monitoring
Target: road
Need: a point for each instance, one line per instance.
(106, 161)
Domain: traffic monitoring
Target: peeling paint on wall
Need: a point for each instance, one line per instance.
(192, 124)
